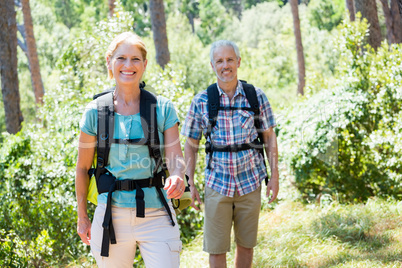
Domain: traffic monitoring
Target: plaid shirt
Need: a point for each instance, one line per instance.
(244, 170)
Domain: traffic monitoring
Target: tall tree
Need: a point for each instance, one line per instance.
(351, 7)
(368, 9)
(299, 47)
(158, 21)
(111, 7)
(32, 54)
(8, 63)
(400, 9)
(393, 21)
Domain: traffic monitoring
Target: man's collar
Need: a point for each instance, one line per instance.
(239, 89)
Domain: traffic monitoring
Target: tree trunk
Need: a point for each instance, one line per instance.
(8, 63)
(392, 21)
(400, 9)
(111, 7)
(33, 60)
(388, 21)
(351, 8)
(158, 21)
(368, 9)
(299, 46)
(190, 17)
(397, 22)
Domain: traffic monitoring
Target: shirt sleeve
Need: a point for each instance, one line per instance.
(192, 127)
(266, 114)
(89, 120)
(168, 112)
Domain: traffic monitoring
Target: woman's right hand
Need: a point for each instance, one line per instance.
(84, 229)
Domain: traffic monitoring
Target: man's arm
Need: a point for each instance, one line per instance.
(271, 150)
(190, 155)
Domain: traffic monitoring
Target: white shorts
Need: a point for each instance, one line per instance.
(158, 240)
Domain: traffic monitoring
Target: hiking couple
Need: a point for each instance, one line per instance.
(127, 125)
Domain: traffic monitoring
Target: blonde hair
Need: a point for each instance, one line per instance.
(129, 37)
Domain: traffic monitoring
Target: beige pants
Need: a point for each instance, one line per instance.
(158, 240)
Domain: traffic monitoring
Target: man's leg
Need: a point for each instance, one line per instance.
(217, 260)
(246, 214)
(243, 257)
(217, 226)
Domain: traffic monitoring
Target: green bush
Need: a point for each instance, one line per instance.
(340, 141)
(326, 14)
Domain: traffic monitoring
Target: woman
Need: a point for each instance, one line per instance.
(156, 235)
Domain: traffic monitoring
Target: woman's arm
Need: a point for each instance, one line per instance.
(175, 163)
(86, 151)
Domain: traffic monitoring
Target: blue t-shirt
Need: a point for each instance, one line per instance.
(131, 161)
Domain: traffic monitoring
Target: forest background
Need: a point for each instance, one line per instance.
(336, 94)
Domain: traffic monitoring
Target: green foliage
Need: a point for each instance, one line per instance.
(188, 55)
(326, 14)
(12, 253)
(339, 141)
(73, 13)
(214, 20)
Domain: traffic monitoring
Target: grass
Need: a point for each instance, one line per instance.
(296, 235)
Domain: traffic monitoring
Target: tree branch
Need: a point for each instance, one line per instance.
(21, 29)
(23, 46)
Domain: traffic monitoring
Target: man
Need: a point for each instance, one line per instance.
(233, 176)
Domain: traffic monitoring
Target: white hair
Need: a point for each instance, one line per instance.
(223, 43)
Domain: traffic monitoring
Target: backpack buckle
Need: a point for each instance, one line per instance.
(101, 162)
(125, 185)
(156, 152)
(208, 147)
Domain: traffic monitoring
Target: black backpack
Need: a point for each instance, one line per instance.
(213, 111)
(105, 181)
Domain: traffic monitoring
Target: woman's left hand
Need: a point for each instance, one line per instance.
(174, 186)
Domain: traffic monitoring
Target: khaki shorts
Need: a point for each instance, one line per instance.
(221, 211)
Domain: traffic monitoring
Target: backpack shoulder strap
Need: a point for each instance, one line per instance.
(213, 104)
(105, 109)
(251, 96)
(148, 103)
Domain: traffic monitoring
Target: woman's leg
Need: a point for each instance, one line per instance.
(158, 240)
(121, 254)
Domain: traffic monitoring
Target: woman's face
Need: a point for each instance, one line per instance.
(127, 64)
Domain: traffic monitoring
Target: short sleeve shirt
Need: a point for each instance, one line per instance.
(240, 171)
(128, 161)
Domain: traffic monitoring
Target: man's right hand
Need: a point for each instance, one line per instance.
(195, 196)
(84, 229)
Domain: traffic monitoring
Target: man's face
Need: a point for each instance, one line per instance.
(225, 64)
